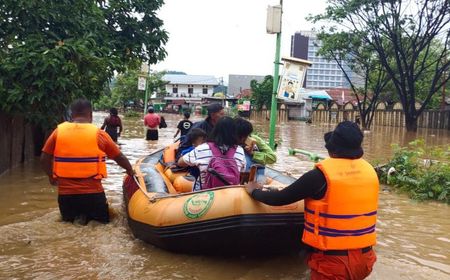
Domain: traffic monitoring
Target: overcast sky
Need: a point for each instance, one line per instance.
(222, 37)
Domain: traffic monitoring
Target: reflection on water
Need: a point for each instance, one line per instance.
(413, 239)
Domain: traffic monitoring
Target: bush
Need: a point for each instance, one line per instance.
(424, 173)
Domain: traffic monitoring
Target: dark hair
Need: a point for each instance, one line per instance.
(224, 132)
(187, 114)
(243, 127)
(196, 133)
(214, 108)
(151, 110)
(81, 107)
(113, 111)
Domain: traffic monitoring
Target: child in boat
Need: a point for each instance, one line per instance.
(221, 148)
(195, 137)
(257, 151)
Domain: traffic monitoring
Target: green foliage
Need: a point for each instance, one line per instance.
(353, 54)
(125, 91)
(54, 51)
(411, 43)
(422, 173)
(262, 92)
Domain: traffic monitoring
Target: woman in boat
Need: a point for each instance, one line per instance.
(220, 160)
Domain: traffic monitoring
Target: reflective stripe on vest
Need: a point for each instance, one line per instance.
(77, 154)
(345, 218)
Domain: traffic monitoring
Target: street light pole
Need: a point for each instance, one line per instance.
(273, 107)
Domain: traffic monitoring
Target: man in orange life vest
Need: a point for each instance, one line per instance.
(341, 201)
(74, 159)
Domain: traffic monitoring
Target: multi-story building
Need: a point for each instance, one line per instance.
(323, 73)
(238, 84)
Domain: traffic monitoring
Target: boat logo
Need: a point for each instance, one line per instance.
(197, 205)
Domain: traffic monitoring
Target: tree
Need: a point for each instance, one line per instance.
(54, 51)
(352, 55)
(125, 91)
(262, 92)
(402, 33)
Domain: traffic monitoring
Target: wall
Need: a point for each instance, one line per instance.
(382, 117)
(16, 141)
(264, 114)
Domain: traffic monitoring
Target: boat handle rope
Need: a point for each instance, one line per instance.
(160, 196)
(140, 187)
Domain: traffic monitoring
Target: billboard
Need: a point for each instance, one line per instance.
(292, 79)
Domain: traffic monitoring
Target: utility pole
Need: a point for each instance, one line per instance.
(273, 107)
(144, 81)
(146, 90)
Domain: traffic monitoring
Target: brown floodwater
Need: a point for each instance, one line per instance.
(413, 237)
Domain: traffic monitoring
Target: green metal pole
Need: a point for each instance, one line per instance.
(145, 98)
(273, 107)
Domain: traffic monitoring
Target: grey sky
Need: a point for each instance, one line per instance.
(221, 37)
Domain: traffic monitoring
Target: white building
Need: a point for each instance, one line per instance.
(189, 86)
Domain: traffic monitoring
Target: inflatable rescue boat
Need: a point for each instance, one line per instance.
(163, 210)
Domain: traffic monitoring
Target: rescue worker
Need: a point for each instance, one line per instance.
(74, 157)
(341, 201)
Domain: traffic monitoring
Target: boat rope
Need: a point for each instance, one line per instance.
(141, 187)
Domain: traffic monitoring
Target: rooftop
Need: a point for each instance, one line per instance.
(190, 79)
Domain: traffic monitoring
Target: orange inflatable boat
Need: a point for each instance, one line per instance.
(163, 210)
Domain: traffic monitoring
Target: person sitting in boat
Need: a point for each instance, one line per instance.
(341, 202)
(215, 113)
(257, 151)
(195, 137)
(220, 160)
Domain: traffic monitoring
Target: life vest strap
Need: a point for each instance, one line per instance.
(80, 159)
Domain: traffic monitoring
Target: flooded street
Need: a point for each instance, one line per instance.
(413, 237)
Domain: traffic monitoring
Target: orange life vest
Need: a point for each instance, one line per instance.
(345, 217)
(77, 154)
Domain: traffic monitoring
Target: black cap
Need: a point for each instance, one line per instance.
(214, 108)
(345, 140)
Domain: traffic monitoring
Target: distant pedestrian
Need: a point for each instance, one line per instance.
(152, 121)
(184, 125)
(112, 123)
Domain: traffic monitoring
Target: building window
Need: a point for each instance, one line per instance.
(175, 89)
(205, 90)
